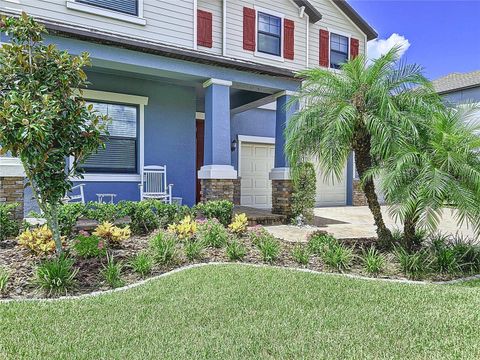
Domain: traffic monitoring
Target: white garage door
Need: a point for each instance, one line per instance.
(256, 162)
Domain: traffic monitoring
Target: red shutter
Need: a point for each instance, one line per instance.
(354, 44)
(324, 48)
(289, 39)
(249, 29)
(204, 28)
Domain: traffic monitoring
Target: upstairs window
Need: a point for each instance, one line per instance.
(338, 50)
(120, 153)
(129, 7)
(269, 34)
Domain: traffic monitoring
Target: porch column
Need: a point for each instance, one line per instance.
(217, 176)
(282, 185)
(12, 183)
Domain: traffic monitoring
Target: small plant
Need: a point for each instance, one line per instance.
(194, 250)
(220, 210)
(163, 246)
(89, 246)
(8, 225)
(373, 262)
(414, 265)
(185, 229)
(112, 273)
(301, 255)
(143, 217)
(56, 276)
(114, 235)
(104, 212)
(236, 250)
(337, 256)
(239, 224)
(257, 234)
(39, 240)
(142, 264)
(269, 248)
(446, 261)
(4, 278)
(318, 241)
(213, 234)
(304, 191)
(68, 214)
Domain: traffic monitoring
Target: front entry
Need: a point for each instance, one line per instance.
(200, 155)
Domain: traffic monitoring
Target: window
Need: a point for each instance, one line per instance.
(269, 34)
(120, 153)
(338, 50)
(124, 6)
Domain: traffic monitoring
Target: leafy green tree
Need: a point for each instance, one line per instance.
(365, 108)
(439, 169)
(43, 117)
(304, 190)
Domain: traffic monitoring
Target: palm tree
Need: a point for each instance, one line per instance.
(440, 168)
(365, 108)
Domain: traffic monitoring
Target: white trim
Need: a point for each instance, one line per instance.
(351, 21)
(195, 20)
(108, 178)
(224, 29)
(280, 174)
(90, 9)
(199, 116)
(11, 167)
(217, 172)
(114, 97)
(256, 139)
(279, 58)
(213, 81)
(341, 33)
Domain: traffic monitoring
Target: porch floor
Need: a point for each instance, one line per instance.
(260, 216)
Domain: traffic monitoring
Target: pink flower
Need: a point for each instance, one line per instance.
(100, 245)
(83, 233)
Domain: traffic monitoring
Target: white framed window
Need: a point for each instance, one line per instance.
(269, 34)
(339, 50)
(124, 10)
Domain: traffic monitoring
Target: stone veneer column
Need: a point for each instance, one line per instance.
(217, 176)
(12, 184)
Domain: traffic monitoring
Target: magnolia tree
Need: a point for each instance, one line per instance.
(43, 118)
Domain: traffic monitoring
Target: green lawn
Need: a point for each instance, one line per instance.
(235, 311)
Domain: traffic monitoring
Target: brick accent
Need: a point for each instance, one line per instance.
(359, 198)
(282, 191)
(217, 189)
(237, 191)
(11, 191)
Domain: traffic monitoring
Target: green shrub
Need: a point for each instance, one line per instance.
(269, 248)
(446, 261)
(213, 234)
(9, 227)
(143, 218)
(112, 273)
(454, 254)
(142, 264)
(89, 246)
(414, 265)
(194, 249)
(68, 214)
(56, 276)
(4, 278)
(257, 234)
(304, 190)
(301, 255)
(236, 250)
(163, 247)
(337, 256)
(373, 262)
(220, 210)
(318, 241)
(105, 212)
(416, 241)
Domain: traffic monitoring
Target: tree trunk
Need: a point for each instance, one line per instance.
(363, 162)
(409, 231)
(55, 228)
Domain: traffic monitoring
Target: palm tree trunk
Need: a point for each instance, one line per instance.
(409, 231)
(363, 162)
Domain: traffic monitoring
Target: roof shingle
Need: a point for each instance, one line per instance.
(457, 81)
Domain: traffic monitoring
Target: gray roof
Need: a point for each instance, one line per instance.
(457, 81)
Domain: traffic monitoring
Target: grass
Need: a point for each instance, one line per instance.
(237, 311)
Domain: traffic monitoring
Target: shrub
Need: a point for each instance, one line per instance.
(269, 248)
(257, 233)
(193, 249)
(112, 273)
(318, 241)
(220, 210)
(4, 278)
(114, 235)
(56, 276)
(236, 250)
(213, 234)
(89, 246)
(239, 224)
(163, 247)
(337, 256)
(8, 225)
(39, 240)
(301, 255)
(454, 254)
(414, 265)
(142, 264)
(143, 218)
(446, 261)
(185, 229)
(304, 190)
(105, 212)
(373, 262)
(68, 215)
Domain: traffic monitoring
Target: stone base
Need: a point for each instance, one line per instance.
(217, 189)
(237, 191)
(359, 198)
(11, 191)
(282, 191)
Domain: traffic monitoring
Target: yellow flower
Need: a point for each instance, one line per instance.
(239, 224)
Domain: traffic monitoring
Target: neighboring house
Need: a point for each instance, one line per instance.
(188, 85)
(458, 88)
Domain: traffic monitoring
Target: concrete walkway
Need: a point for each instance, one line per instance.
(357, 223)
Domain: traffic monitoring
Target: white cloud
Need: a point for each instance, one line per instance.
(378, 47)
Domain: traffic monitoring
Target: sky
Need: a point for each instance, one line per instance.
(441, 35)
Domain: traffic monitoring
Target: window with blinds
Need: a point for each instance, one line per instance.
(120, 152)
(124, 6)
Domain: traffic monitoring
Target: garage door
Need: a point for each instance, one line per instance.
(256, 162)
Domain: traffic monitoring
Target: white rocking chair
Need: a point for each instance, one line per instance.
(153, 184)
(79, 197)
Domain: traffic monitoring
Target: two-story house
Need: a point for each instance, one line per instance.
(200, 86)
